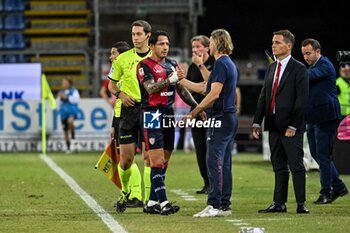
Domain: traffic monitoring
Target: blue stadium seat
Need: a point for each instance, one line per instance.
(20, 21)
(14, 21)
(21, 5)
(10, 22)
(10, 5)
(20, 58)
(10, 42)
(20, 41)
(1, 5)
(14, 41)
(10, 58)
(1, 24)
(14, 5)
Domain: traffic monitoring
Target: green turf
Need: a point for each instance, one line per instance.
(34, 199)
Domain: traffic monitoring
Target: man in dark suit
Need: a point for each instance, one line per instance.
(282, 102)
(323, 116)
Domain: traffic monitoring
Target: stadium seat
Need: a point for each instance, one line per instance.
(14, 41)
(1, 43)
(14, 21)
(10, 58)
(9, 41)
(1, 5)
(10, 22)
(20, 21)
(20, 58)
(14, 5)
(1, 24)
(20, 41)
(10, 5)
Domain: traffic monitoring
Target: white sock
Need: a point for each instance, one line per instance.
(163, 204)
(151, 203)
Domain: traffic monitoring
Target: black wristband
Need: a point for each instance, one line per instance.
(117, 94)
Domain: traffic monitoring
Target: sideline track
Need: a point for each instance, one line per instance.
(111, 223)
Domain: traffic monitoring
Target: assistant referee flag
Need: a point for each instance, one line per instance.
(108, 163)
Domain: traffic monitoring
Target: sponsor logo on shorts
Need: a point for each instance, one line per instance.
(152, 141)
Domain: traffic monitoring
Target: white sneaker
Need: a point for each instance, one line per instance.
(68, 151)
(74, 146)
(209, 211)
(226, 212)
(197, 215)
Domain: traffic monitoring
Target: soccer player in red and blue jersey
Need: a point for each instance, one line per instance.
(158, 76)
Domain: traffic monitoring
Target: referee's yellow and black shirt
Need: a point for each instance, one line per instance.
(124, 71)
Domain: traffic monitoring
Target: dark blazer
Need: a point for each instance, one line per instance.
(323, 105)
(291, 97)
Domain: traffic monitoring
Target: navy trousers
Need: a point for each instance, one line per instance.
(321, 138)
(219, 160)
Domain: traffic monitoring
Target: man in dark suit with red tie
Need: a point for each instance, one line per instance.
(282, 103)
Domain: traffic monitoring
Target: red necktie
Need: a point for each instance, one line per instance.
(275, 86)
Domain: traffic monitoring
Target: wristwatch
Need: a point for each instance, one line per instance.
(200, 66)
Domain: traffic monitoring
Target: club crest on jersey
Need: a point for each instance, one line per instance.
(141, 72)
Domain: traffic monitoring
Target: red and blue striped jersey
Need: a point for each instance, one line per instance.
(149, 69)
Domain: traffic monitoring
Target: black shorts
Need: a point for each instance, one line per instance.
(159, 137)
(65, 124)
(115, 125)
(129, 125)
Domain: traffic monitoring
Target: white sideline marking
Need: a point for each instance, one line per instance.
(234, 220)
(269, 219)
(184, 195)
(241, 224)
(111, 223)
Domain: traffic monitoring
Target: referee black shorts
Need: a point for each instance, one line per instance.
(129, 125)
(115, 125)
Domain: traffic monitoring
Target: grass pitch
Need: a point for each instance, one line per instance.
(34, 199)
